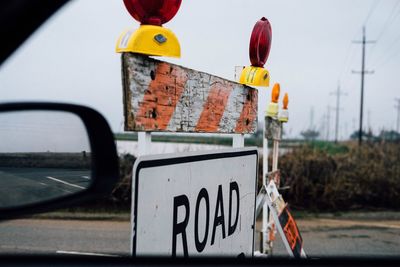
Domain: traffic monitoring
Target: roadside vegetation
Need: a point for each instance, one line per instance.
(328, 177)
(322, 177)
(46, 160)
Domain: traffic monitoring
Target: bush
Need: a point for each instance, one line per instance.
(121, 195)
(357, 178)
(322, 177)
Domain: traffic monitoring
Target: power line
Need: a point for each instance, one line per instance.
(390, 19)
(390, 56)
(348, 57)
(388, 23)
(362, 72)
(371, 10)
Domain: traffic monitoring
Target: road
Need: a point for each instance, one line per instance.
(28, 185)
(33, 236)
(322, 237)
(345, 237)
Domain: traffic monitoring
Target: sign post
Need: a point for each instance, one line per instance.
(144, 143)
(285, 223)
(256, 75)
(238, 141)
(272, 131)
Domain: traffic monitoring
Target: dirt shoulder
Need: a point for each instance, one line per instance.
(347, 223)
(348, 220)
(377, 219)
(84, 216)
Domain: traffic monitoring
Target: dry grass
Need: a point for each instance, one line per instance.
(359, 178)
(322, 178)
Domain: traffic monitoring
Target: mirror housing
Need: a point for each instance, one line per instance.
(104, 167)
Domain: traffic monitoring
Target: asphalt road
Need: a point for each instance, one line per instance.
(32, 236)
(322, 237)
(28, 185)
(346, 237)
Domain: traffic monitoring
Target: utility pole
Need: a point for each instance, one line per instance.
(398, 114)
(338, 94)
(328, 122)
(362, 72)
(369, 120)
(311, 118)
(322, 125)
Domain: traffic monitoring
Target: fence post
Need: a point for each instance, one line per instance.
(265, 210)
(144, 143)
(238, 141)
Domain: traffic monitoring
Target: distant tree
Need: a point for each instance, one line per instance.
(389, 135)
(364, 135)
(310, 135)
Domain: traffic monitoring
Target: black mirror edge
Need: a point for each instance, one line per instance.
(105, 167)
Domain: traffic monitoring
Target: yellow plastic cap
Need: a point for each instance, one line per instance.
(272, 110)
(254, 76)
(149, 40)
(283, 115)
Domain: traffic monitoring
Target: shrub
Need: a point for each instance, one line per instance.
(357, 178)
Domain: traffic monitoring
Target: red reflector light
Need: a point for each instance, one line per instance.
(260, 43)
(153, 12)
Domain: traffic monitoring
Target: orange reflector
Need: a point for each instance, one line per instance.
(275, 93)
(285, 101)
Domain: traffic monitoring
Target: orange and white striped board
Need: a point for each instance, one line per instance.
(164, 97)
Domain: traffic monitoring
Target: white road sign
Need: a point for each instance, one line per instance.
(194, 204)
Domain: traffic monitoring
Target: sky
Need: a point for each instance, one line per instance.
(72, 57)
(42, 131)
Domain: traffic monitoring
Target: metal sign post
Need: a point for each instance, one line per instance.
(285, 223)
(273, 132)
(256, 75)
(276, 215)
(270, 132)
(144, 143)
(238, 141)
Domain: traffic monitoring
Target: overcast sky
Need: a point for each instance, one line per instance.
(39, 131)
(72, 57)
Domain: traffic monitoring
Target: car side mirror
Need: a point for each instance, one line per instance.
(53, 156)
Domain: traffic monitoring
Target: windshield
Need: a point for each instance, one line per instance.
(339, 152)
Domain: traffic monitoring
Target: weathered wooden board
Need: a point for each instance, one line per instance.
(160, 96)
(273, 129)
